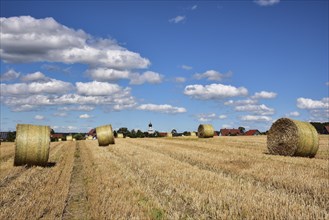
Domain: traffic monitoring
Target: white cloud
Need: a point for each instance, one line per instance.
(180, 79)
(293, 114)
(264, 95)
(177, 19)
(194, 7)
(186, 67)
(97, 88)
(27, 39)
(212, 75)
(266, 2)
(222, 116)
(35, 77)
(256, 109)
(256, 118)
(161, 108)
(209, 117)
(241, 102)
(214, 91)
(77, 108)
(84, 116)
(327, 83)
(306, 103)
(107, 74)
(53, 86)
(146, 77)
(9, 75)
(39, 117)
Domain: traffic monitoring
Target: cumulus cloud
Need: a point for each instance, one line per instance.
(214, 91)
(27, 39)
(306, 103)
(35, 77)
(259, 118)
(39, 117)
(256, 109)
(9, 75)
(177, 19)
(97, 88)
(186, 67)
(293, 114)
(146, 77)
(266, 2)
(108, 74)
(212, 75)
(194, 7)
(264, 95)
(53, 86)
(209, 117)
(161, 108)
(84, 116)
(77, 108)
(60, 114)
(241, 102)
(180, 79)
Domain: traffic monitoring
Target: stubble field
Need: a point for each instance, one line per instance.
(166, 178)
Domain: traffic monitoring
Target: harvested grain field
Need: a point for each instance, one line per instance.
(166, 178)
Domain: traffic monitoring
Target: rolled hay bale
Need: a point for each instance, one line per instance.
(169, 135)
(89, 137)
(292, 138)
(119, 135)
(32, 145)
(74, 139)
(69, 138)
(193, 134)
(205, 131)
(105, 135)
(59, 139)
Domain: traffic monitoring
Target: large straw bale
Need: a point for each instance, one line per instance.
(90, 137)
(205, 131)
(105, 135)
(292, 138)
(32, 145)
(69, 138)
(169, 135)
(120, 135)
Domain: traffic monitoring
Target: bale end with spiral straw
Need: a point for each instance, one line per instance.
(105, 135)
(205, 131)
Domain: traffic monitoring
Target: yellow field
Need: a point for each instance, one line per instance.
(166, 178)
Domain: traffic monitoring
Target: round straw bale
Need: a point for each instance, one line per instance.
(169, 134)
(89, 137)
(32, 145)
(69, 138)
(74, 139)
(59, 139)
(205, 131)
(119, 135)
(105, 135)
(292, 138)
(193, 134)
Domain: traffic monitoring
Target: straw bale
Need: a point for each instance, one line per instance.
(32, 145)
(105, 135)
(205, 131)
(292, 138)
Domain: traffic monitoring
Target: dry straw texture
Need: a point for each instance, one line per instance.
(32, 145)
(105, 135)
(119, 135)
(89, 137)
(69, 138)
(292, 138)
(205, 131)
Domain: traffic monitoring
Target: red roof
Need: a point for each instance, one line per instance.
(57, 135)
(251, 132)
(228, 132)
(327, 128)
(92, 132)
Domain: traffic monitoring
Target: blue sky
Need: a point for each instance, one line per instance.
(75, 65)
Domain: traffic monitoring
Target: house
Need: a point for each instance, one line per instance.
(252, 133)
(92, 132)
(229, 132)
(57, 136)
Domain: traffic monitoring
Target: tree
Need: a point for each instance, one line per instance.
(11, 136)
(78, 136)
(242, 130)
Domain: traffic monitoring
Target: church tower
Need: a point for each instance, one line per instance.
(150, 130)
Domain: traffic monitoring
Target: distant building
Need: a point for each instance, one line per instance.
(150, 129)
(252, 133)
(229, 132)
(326, 130)
(92, 132)
(57, 135)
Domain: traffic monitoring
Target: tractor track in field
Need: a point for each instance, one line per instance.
(76, 206)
